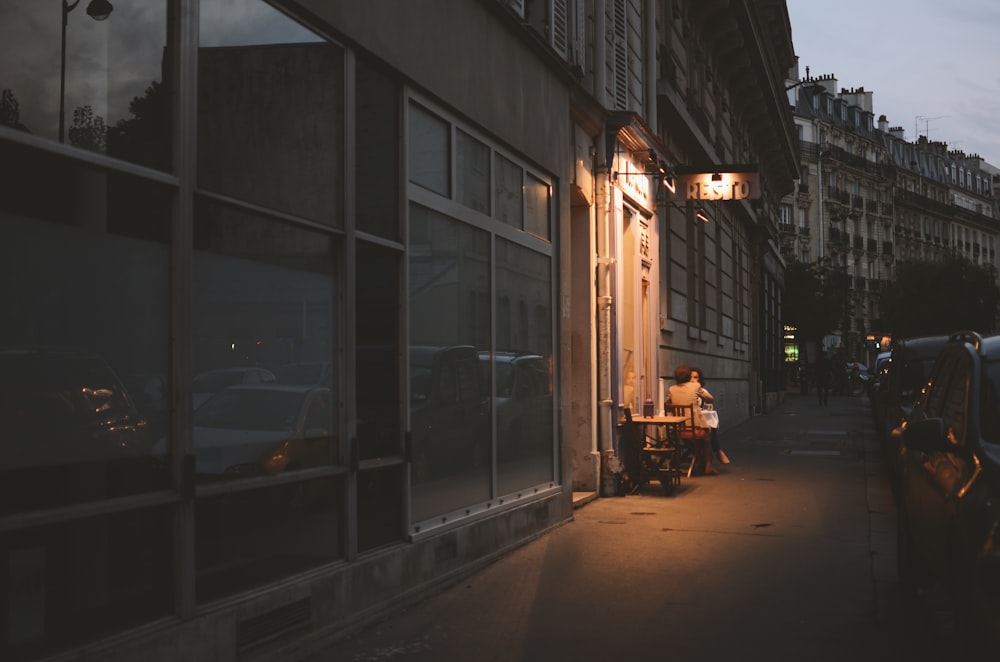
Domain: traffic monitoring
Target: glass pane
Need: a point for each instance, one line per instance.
(449, 412)
(473, 173)
(429, 150)
(376, 160)
(523, 366)
(89, 78)
(380, 507)
(266, 136)
(377, 325)
(265, 386)
(247, 539)
(536, 220)
(509, 193)
(80, 581)
(83, 390)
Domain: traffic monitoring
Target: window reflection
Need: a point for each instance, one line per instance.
(284, 131)
(263, 332)
(108, 90)
(85, 318)
(449, 324)
(524, 416)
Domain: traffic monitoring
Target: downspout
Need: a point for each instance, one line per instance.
(603, 268)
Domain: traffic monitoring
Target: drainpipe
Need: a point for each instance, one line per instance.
(604, 264)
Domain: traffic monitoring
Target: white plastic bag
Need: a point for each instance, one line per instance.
(711, 417)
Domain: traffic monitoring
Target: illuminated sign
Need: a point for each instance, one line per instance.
(727, 183)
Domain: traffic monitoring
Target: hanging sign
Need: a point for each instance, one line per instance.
(727, 183)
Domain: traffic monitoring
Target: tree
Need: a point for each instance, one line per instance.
(936, 298)
(89, 130)
(10, 110)
(813, 300)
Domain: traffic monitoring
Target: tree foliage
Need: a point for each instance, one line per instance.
(813, 300)
(934, 298)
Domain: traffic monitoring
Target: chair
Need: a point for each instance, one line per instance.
(691, 438)
(646, 457)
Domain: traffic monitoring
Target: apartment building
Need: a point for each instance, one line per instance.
(868, 199)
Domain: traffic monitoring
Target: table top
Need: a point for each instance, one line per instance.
(659, 419)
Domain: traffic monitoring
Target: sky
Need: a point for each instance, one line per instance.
(933, 67)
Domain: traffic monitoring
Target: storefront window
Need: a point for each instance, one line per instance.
(449, 406)
(376, 160)
(89, 74)
(265, 393)
(509, 193)
(84, 341)
(523, 369)
(270, 111)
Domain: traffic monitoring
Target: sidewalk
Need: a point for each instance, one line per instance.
(788, 555)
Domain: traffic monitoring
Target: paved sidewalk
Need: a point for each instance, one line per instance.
(788, 555)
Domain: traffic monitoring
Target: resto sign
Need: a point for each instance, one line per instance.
(717, 185)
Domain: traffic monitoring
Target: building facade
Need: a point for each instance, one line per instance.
(868, 199)
(315, 307)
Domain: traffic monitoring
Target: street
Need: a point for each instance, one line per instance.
(788, 555)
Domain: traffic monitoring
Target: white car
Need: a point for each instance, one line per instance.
(263, 429)
(210, 382)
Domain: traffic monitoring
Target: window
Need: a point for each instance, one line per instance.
(429, 149)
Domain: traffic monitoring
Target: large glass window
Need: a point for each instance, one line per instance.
(270, 111)
(376, 161)
(449, 407)
(523, 369)
(89, 74)
(430, 151)
(84, 341)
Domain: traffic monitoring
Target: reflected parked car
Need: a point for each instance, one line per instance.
(523, 403)
(263, 429)
(449, 411)
(906, 374)
(307, 373)
(69, 431)
(210, 382)
(949, 505)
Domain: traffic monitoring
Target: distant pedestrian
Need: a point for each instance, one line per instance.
(822, 370)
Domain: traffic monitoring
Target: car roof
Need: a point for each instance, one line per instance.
(987, 347)
(922, 346)
(280, 388)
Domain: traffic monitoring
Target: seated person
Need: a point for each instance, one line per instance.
(689, 392)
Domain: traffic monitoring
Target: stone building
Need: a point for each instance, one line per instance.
(868, 198)
(315, 307)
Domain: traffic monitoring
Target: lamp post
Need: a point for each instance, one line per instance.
(97, 10)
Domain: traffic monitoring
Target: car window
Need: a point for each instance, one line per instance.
(948, 391)
(989, 404)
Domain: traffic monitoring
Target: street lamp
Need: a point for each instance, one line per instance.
(97, 10)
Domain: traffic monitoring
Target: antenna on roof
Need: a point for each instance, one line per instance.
(927, 128)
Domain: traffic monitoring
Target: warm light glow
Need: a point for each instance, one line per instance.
(702, 215)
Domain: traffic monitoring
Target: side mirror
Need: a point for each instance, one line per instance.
(926, 435)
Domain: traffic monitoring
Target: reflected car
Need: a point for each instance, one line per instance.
(949, 497)
(263, 429)
(210, 382)
(69, 431)
(307, 373)
(523, 403)
(449, 412)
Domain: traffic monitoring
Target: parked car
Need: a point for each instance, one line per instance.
(906, 374)
(949, 505)
(210, 382)
(263, 429)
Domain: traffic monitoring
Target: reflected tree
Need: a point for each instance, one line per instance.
(10, 110)
(145, 137)
(89, 130)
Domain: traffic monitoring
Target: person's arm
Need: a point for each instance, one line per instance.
(705, 396)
